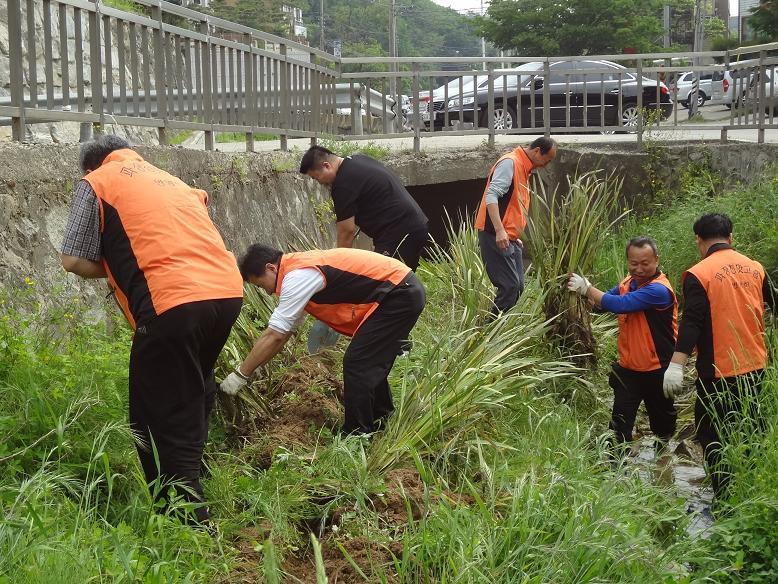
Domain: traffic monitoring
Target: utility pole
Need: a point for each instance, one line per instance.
(699, 37)
(666, 19)
(321, 25)
(393, 66)
(483, 42)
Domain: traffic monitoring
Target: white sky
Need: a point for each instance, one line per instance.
(476, 5)
(463, 5)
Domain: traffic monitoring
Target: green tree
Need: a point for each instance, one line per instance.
(764, 20)
(574, 27)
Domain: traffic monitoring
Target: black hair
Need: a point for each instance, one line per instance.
(313, 158)
(642, 241)
(94, 152)
(543, 143)
(256, 258)
(713, 225)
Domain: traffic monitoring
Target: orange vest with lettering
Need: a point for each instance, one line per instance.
(733, 285)
(160, 248)
(356, 282)
(514, 205)
(647, 337)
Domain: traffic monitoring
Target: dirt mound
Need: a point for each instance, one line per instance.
(372, 558)
(404, 491)
(300, 416)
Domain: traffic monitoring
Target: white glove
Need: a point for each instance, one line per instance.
(233, 383)
(578, 284)
(673, 381)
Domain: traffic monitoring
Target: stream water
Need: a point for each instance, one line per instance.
(677, 466)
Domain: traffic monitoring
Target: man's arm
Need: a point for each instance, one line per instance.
(82, 266)
(696, 307)
(81, 245)
(346, 231)
(645, 298)
(267, 347)
(768, 293)
(501, 180)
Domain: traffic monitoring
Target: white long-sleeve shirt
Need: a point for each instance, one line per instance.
(502, 177)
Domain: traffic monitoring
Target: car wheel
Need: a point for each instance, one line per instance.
(728, 105)
(684, 104)
(630, 115)
(701, 98)
(504, 118)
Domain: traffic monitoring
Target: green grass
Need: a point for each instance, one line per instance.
(126, 5)
(222, 137)
(507, 438)
(752, 209)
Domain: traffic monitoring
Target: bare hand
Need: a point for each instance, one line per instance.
(501, 239)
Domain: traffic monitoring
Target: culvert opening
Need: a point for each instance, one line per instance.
(455, 201)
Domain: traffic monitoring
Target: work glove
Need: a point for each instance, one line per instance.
(673, 380)
(321, 336)
(578, 284)
(233, 382)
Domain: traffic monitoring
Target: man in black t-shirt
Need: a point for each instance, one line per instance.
(369, 197)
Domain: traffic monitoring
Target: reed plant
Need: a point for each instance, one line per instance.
(565, 233)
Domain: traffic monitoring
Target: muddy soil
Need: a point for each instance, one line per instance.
(307, 401)
(374, 560)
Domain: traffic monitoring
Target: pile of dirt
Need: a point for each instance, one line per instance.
(300, 417)
(404, 491)
(373, 559)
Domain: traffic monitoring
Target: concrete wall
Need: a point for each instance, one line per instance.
(261, 197)
(253, 198)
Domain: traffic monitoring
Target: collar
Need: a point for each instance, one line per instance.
(717, 247)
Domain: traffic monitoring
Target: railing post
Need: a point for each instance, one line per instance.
(16, 67)
(315, 93)
(417, 110)
(546, 99)
(640, 102)
(355, 92)
(205, 61)
(490, 103)
(160, 83)
(96, 66)
(760, 99)
(249, 91)
(284, 99)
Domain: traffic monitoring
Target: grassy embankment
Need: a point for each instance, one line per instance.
(494, 468)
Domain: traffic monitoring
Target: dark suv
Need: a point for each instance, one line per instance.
(601, 92)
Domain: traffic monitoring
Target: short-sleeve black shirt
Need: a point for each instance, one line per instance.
(381, 206)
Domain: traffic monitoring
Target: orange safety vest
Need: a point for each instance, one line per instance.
(356, 281)
(733, 284)
(160, 248)
(647, 337)
(514, 205)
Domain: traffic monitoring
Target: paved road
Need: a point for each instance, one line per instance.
(715, 115)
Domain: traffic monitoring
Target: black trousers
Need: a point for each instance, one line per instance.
(721, 406)
(408, 249)
(172, 389)
(630, 388)
(371, 354)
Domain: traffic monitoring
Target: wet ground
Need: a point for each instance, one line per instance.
(679, 465)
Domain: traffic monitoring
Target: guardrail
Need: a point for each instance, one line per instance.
(178, 69)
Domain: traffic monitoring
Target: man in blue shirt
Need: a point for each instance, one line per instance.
(647, 312)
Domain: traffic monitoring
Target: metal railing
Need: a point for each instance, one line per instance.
(178, 69)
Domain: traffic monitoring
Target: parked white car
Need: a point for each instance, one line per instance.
(731, 87)
(685, 89)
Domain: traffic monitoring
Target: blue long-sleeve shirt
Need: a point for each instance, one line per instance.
(652, 295)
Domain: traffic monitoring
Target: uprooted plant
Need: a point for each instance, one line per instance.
(565, 231)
